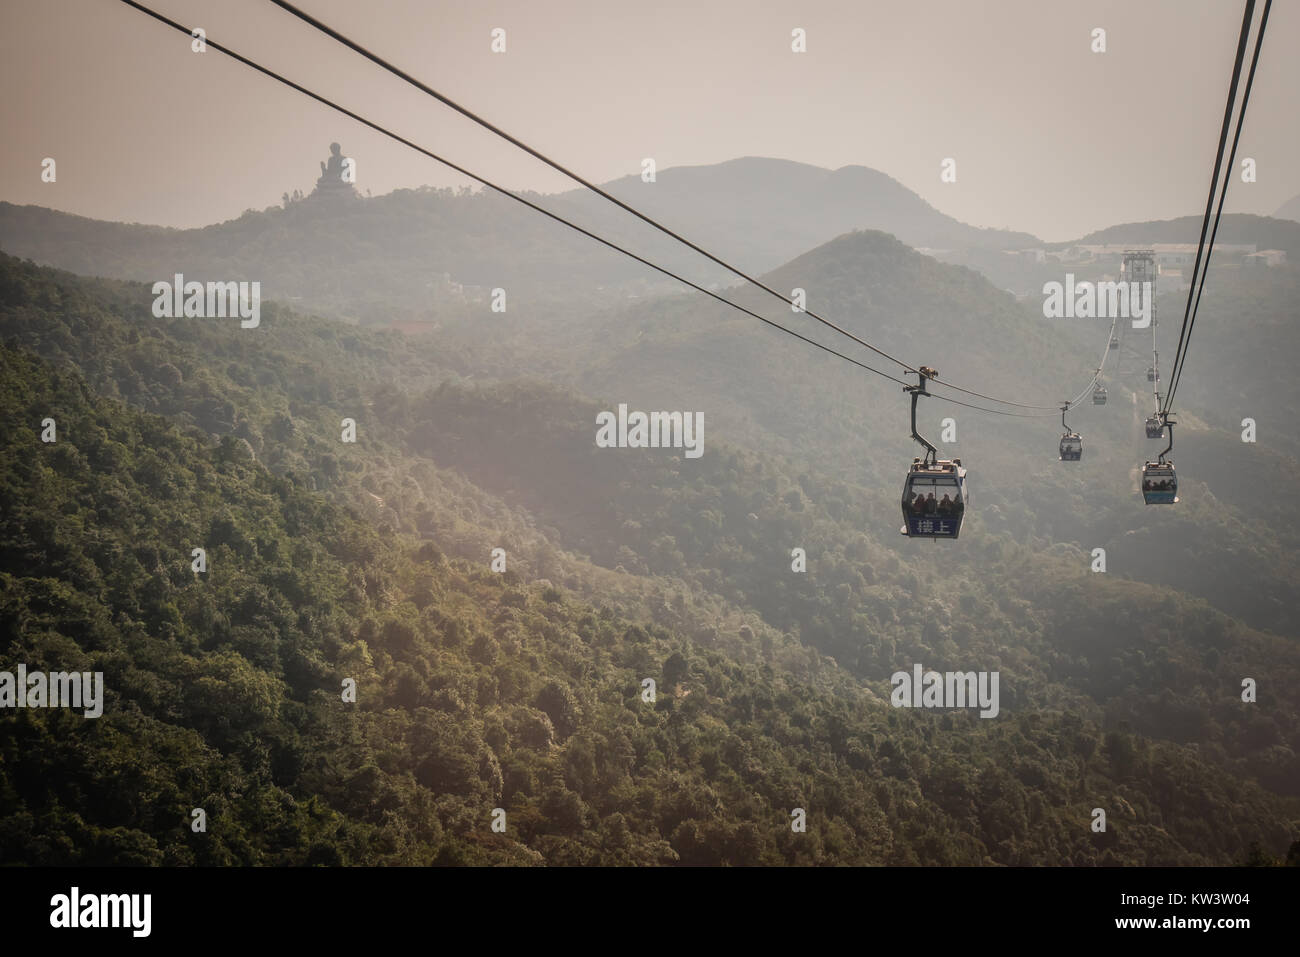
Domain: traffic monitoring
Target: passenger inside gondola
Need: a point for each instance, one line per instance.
(939, 500)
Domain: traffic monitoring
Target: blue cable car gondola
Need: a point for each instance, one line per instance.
(934, 499)
(1159, 483)
(934, 490)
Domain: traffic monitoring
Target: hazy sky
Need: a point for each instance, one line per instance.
(1048, 136)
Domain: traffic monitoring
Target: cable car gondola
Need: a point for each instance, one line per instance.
(1152, 374)
(1159, 480)
(934, 499)
(1071, 442)
(1155, 429)
(1114, 342)
(934, 489)
(1159, 483)
(1099, 396)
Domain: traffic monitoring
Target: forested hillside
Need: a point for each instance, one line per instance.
(474, 691)
(522, 690)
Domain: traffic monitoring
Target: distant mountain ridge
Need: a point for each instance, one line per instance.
(433, 254)
(1026, 275)
(770, 210)
(1265, 232)
(411, 253)
(1289, 210)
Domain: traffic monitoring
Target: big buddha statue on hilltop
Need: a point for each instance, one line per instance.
(336, 175)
